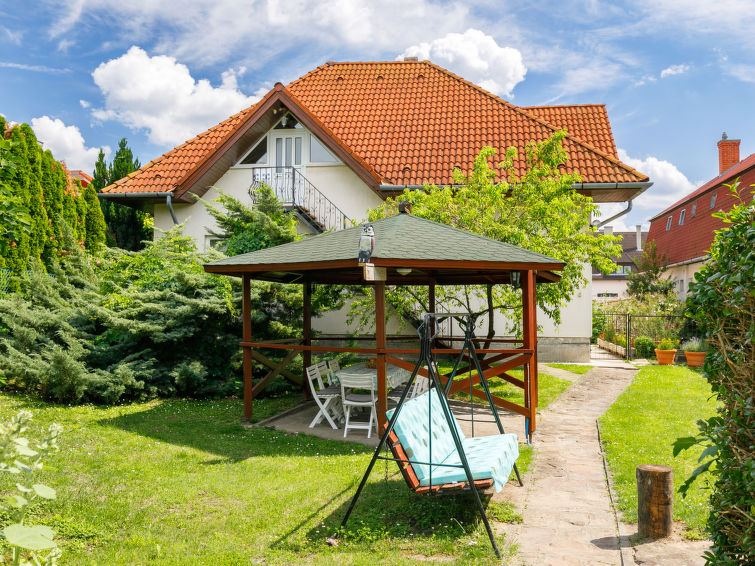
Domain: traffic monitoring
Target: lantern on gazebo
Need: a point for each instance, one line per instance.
(366, 244)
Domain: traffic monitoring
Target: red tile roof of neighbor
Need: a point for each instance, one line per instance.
(693, 239)
(405, 123)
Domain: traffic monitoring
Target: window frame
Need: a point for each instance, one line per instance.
(682, 214)
(669, 222)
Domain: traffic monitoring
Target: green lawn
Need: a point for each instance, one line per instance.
(662, 404)
(549, 388)
(182, 482)
(574, 368)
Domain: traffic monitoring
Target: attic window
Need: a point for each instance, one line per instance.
(288, 122)
(712, 202)
(692, 212)
(258, 155)
(681, 216)
(318, 153)
(668, 222)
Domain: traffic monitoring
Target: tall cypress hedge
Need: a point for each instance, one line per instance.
(50, 198)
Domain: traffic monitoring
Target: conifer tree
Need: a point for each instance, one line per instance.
(126, 226)
(95, 221)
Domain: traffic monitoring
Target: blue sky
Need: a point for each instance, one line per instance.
(674, 74)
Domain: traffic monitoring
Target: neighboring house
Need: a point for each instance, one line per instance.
(339, 140)
(685, 230)
(81, 176)
(613, 286)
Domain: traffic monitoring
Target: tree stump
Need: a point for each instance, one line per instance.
(655, 500)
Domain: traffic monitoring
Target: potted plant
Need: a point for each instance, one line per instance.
(694, 350)
(666, 351)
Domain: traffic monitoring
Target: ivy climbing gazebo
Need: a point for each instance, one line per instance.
(408, 250)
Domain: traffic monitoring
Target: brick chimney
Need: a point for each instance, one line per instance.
(728, 153)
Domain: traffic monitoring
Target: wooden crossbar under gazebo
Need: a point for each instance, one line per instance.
(408, 250)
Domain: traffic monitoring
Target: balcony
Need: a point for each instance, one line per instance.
(296, 193)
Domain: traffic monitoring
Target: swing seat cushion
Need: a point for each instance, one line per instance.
(489, 457)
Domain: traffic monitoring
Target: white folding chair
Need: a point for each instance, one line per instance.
(326, 398)
(322, 367)
(333, 368)
(420, 386)
(351, 399)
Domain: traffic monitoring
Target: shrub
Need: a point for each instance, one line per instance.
(667, 344)
(722, 303)
(644, 347)
(694, 345)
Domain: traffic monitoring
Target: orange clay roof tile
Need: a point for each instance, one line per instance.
(409, 123)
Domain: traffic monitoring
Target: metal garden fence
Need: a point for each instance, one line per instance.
(617, 333)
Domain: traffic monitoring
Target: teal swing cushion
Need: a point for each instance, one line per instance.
(488, 456)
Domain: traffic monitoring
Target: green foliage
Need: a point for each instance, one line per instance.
(141, 324)
(722, 302)
(539, 211)
(95, 221)
(36, 199)
(23, 459)
(644, 347)
(126, 227)
(648, 277)
(246, 229)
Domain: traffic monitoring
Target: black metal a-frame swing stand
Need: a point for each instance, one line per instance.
(426, 358)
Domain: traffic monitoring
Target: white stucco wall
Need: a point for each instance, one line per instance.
(618, 286)
(682, 275)
(337, 182)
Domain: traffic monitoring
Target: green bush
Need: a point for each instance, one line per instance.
(694, 345)
(722, 302)
(644, 347)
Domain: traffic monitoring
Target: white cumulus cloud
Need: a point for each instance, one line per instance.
(66, 143)
(159, 95)
(674, 70)
(669, 184)
(475, 56)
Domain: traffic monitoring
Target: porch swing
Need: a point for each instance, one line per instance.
(426, 441)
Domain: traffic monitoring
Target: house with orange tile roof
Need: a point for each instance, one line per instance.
(684, 231)
(339, 140)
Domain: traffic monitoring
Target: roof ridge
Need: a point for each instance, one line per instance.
(594, 104)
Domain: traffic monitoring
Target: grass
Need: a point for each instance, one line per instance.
(183, 482)
(662, 404)
(574, 368)
(549, 388)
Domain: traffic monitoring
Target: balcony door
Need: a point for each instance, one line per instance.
(288, 173)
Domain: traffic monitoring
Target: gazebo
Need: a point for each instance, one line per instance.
(408, 250)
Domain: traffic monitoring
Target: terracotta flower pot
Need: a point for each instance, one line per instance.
(695, 359)
(665, 357)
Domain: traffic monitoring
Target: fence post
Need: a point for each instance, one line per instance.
(629, 337)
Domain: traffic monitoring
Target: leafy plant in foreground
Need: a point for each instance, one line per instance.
(722, 302)
(22, 459)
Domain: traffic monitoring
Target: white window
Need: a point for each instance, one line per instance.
(681, 216)
(668, 222)
(258, 154)
(712, 202)
(692, 212)
(318, 153)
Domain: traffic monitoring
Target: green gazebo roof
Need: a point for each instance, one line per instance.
(434, 251)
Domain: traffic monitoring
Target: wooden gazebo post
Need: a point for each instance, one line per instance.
(529, 335)
(307, 336)
(246, 315)
(380, 343)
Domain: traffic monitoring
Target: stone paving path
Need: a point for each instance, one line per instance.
(565, 504)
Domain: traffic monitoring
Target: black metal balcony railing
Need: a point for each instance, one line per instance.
(295, 192)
